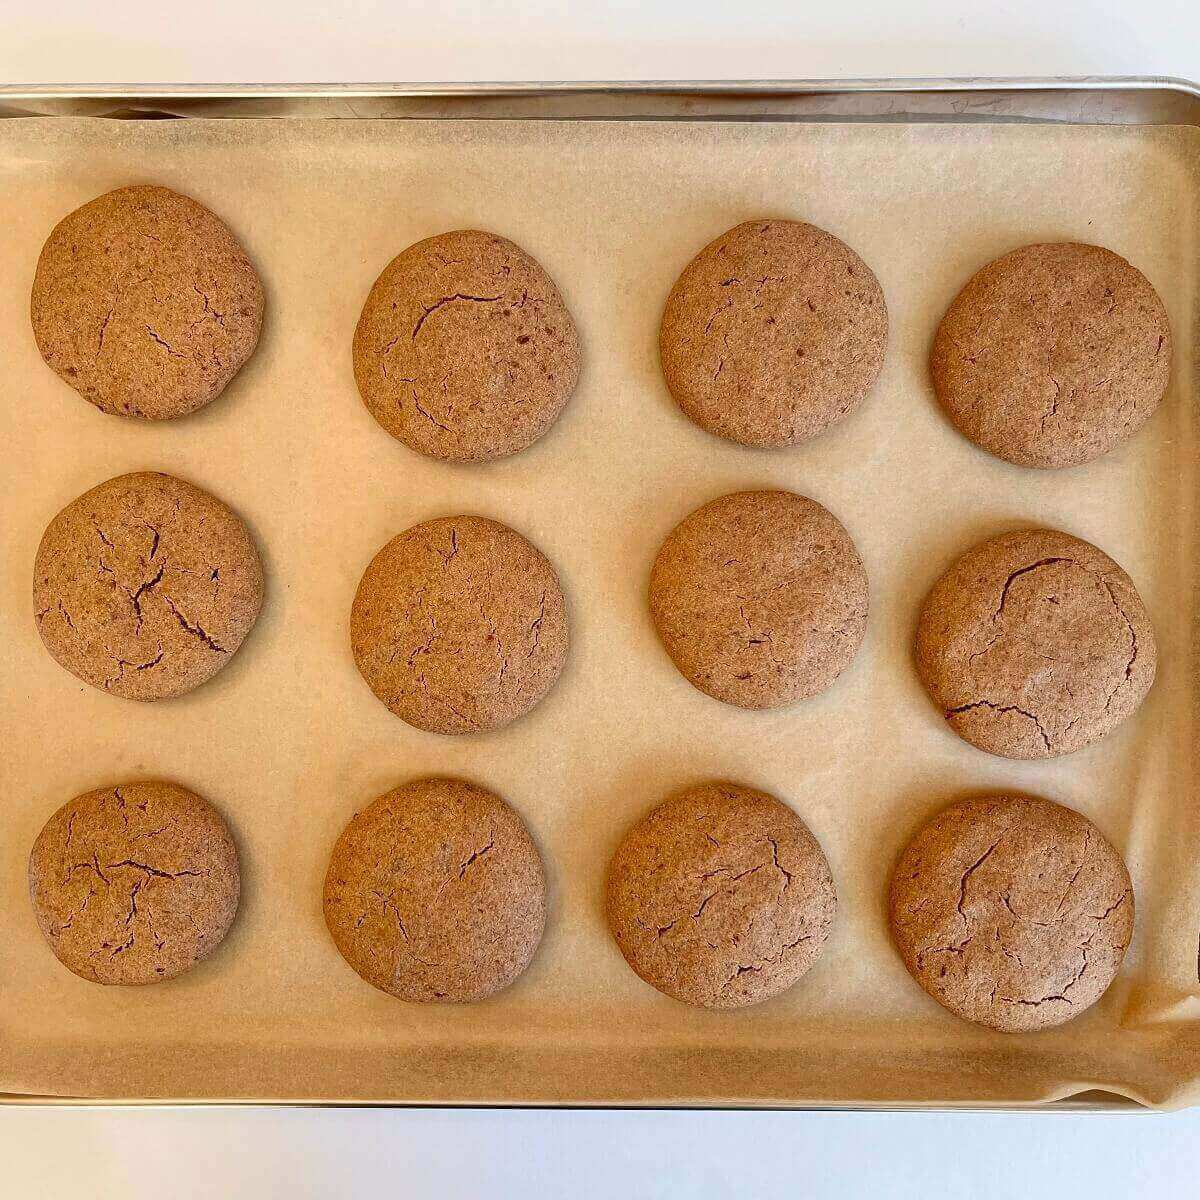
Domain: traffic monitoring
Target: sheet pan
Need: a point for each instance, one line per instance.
(289, 742)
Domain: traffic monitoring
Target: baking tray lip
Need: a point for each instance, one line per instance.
(1128, 100)
(1187, 89)
(657, 87)
(1104, 1102)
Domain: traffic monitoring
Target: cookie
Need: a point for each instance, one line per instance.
(459, 625)
(465, 350)
(145, 586)
(721, 897)
(435, 893)
(1035, 644)
(773, 333)
(760, 598)
(1053, 354)
(1012, 912)
(145, 304)
(135, 883)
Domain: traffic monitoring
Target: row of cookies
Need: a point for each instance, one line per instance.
(145, 303)
(1012, 912)
(1032, 644)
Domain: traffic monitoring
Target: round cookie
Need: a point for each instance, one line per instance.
(145, 586)
(435, 893)
(1012, 912)
(721, 897)
(773, 333)
(145, 304)
(1053, 354)
(135, 883)
(465, 350)
(1035, 644)
(459, 625)
(760, 598)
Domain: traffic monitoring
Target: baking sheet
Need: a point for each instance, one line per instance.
(288, 741)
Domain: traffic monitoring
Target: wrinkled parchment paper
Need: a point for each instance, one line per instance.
(289, 742)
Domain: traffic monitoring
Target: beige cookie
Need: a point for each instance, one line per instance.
(773, 333)
(1012, 912)
(435, 893)
(1034, 644)
(721, 897)
(760, 598)
(145, 586)
(459, 625)
(1053, 354)
(135, 883)
(145, 303)
(465, 350)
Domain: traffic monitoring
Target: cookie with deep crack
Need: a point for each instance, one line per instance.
(459, 625)
(1012, 912)
(760, 598)
(1053, 354)
(1035, 644)
(773, 333)
(145, 303)
(721, 897)
(465, 350)
(135, 883)
(436, 893)
(145, 586)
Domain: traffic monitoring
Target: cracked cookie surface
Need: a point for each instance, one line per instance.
(1035, 644)
(1012, 911)
(145, 303)
(459, 625)
(773, 333)
(720, 897)
(135, 883)
(1053, 354)
(760, 598)
(435, 893)
(465, 350)
(145, 586)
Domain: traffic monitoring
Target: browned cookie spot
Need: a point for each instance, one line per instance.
(435, 893)
(1035, 644)
(1012, 912)
(773, 333)
(760, 598)
(465, 350)
(459, 625)
(1053, 354)
(145, 303)
(145, 586)
(721, 897)
(135, 883)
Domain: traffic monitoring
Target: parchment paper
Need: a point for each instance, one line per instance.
(289, 742)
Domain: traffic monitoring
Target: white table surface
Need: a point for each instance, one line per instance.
(445, 1153)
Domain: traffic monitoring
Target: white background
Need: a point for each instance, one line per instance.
(448, 1154)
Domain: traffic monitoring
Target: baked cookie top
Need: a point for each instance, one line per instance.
(1053, 354)
(774, 332)
(721, 897)
(1035, 644)
(134, 883)
(145, 303)
(145, 586)
(465, 350)
(1012, 911)
(760, 598)
(435, 893)
(459, 625)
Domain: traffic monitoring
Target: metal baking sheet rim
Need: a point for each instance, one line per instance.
(1082, 99)
(1134, 100)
